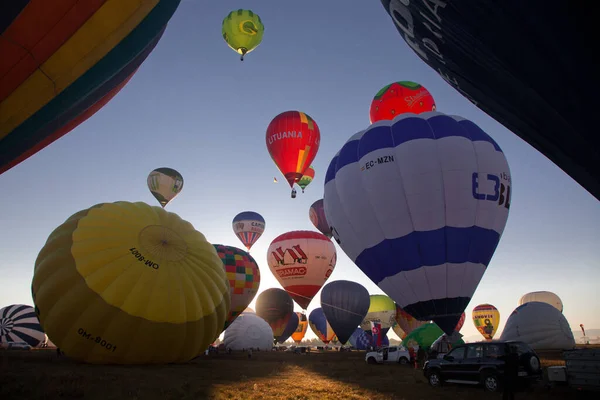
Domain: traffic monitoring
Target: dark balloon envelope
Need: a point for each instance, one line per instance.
(345, 304)
(289, 328)
(276, 307)
(525, 63)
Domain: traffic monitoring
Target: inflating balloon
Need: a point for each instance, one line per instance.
(165, 184)
(243, 31)
(243, 275)
(345, 305)
(319, 325)
(293, 139)
(511, 61)
(382, 309)
(276, 307)
(45, 94)
(19, 324)
(298, 335)
(363, 340)
(316, 213)
(406, 322)
(248, 331)
(544, 297)
(301, 261)
(248, 226)
(424, 336)
(129, 283)
(486, 318)
(409, 197)
(399, 98)
(307, 178)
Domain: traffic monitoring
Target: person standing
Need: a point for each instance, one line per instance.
(511, 373)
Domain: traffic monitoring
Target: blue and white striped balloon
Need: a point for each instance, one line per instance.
(20, 324)
(419, 204)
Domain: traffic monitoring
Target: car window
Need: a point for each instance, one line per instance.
(475, 351)
(392, 349)
(523, 348)
(458, 353)
(494, 350)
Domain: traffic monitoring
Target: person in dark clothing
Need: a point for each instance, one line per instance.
(511, 373)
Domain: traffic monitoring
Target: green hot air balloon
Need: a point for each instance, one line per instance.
(243, 31)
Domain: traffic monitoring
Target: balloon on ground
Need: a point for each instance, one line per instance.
(408, 197)
(544, 297)
(486, 318)
(243, 31)
(165, 184)
(363, 340)
(300, 331)
(406, 322)
(248, 226)
(345, 305)
(424, 336)
(290, 328)
(128, 283)
(382, 309)
(276, 307)
(316, 213)
(19, 324)
(319, 325)
(248, 331)
(399, 98)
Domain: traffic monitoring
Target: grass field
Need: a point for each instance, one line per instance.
(39, 374)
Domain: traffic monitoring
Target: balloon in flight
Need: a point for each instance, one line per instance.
(301, 261)
(243, 31)
(165, 184)
(408, 197)
(298, 335)
(248, 226)
(345, 305)
(307, 178)
(316, 213)
(19, 324)
(276, 307)
(63, 60)
(320, 326)
(243, 275)
(486, 318)
(128, 283)
(399, 98)
(293, 139)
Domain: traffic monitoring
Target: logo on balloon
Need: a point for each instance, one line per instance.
(239, 226)
(295, 255)
(328, 273)
(379, 160)
(293, 271)
(499, 192)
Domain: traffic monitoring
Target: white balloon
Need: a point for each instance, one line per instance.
(248, 331)
(543, 297)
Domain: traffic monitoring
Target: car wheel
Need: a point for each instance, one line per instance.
(403, 361)
(491, 383)
(371, 360)
(435, 379)
(534, 364)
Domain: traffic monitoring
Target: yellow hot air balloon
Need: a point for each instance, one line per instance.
(382, 310)
(486, 318)
(243, 31)
(128, 283)
(298, 335)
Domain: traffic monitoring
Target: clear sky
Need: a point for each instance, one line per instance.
(195, 107)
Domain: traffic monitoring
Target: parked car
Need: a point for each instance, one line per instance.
(16, 346)
(482, 363)
(391, 354)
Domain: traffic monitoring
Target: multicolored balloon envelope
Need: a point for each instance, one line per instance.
(128, 283)
(543, 297)
(243, 31)
(399, 98)
(298, 335)
(419, 204)
(63, 60)
(382, 309)
(307, 178)
(398, 331)
(319, 325)
(406, 322)
(243, 275)
(248, 226)
(316, 213)
(302, 261)
(290, 328)
(19, 324)
(164, 184)
(276, 307)
(363, 340)
(293, 139)
(486, 318)
(345, 305)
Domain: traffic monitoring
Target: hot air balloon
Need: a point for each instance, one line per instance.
(243, 31)
(460, 322)
(128, 283)
(319, 325)
(382, 309)
(276, 307)
(45, 94)
(316, 213)
(408, 197)
(19, 324)
(406, 322)
(399, 331)
(293, 139)
(243, 275)
(544, 297)
(298, 335)
(307, 178)
(486, 318)
(248, 331)
(301, 261)
(345, 305)
(509, 59)
(165, 184)
(425, 335)
(363, 340)
(290, 328)
(398, 98)
(248, 226)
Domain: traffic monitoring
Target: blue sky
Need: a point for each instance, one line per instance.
(195, 107)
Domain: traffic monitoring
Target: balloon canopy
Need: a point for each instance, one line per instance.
(248, 331)
(399, 98)
(425, 335)
(408, 197)
(275, 306)
(345, 304)
(298, 335)
(363, 340)
(243, 31)
(248, 226)
(406, 322)
(543, 297)
(316, 213)
(320, 326)
(165, 184)
(307, 178)
(486, 318)
(19, 324)
(290, 328)
(382, 309)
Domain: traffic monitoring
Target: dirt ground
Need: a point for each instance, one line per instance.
(39, 374)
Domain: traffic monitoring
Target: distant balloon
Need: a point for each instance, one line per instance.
(290, 328)
(248, 226)
(319, 325)
(316, 213)
(243, 31)
(382, 309)
(407, 322)
(345, 305)
(408, 197)
(298, 335)
(18, 323)
(307, 178)
(486, 318)
(243, 275)
(276, 307)
(399, 98)
(248, 331)
(544, 297)
(117, 269)
(301, 261)
(165, 184)
(293, 139)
